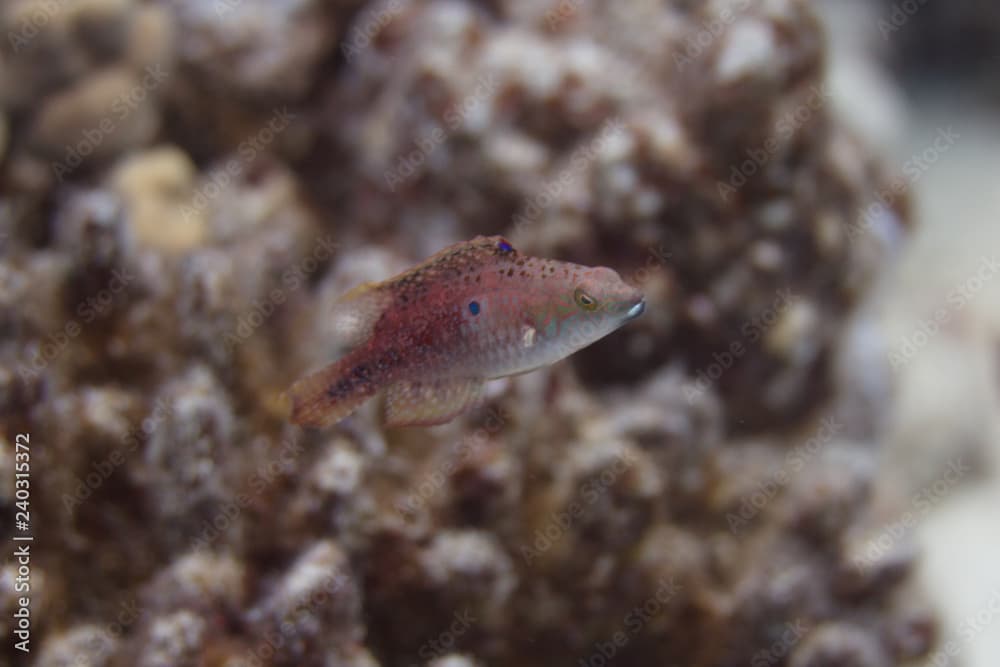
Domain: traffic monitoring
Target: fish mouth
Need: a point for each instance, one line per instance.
(636, 310)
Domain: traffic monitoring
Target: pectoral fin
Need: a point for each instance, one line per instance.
(430, 402)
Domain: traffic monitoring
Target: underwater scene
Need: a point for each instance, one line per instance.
(500, 333)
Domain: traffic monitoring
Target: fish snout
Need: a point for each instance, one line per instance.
(633, 301)
(636, 310)
(620, 299)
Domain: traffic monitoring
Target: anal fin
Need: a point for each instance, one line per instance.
(431, 402)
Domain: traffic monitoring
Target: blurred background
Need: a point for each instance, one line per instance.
(790, 459)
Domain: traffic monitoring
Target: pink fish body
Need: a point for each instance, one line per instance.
(432, 336)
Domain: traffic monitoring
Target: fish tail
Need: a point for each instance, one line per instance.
(332, 393)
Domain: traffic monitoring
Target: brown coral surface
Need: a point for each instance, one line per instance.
(186, 188)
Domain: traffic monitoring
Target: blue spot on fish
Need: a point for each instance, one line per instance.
(474, 307)
(505, 247)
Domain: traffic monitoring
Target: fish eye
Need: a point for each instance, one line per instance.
(584, 300)
(474, 307)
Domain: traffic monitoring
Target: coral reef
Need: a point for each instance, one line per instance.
(187, 186)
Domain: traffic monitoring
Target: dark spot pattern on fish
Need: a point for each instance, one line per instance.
(465, 315)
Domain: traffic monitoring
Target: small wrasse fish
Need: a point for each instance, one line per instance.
(432, 336)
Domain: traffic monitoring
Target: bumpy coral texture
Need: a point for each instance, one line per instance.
(683, 492)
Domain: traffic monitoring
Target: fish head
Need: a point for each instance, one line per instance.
(600, 291)
(587, 303)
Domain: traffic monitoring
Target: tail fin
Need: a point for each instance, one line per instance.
(332, 393)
